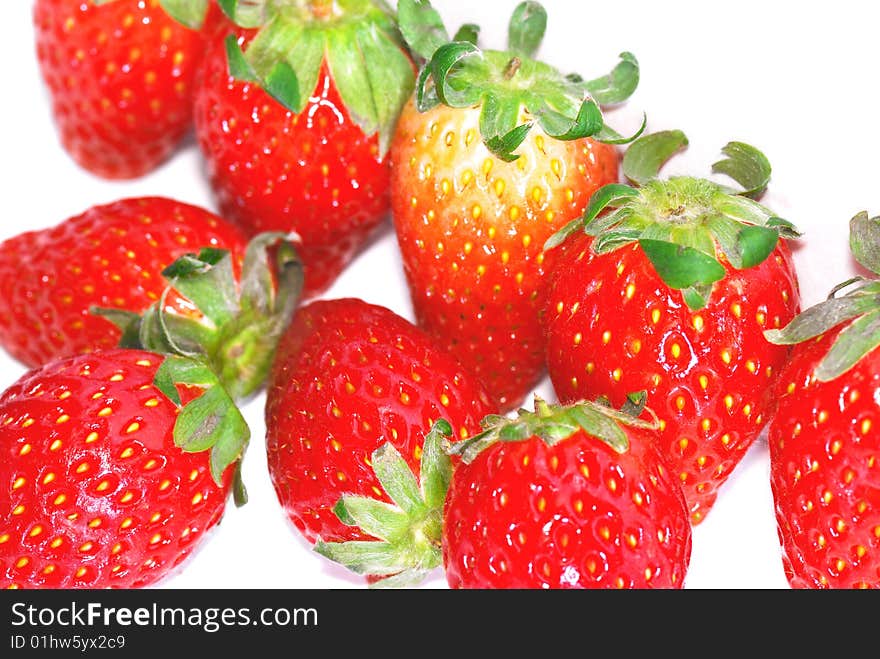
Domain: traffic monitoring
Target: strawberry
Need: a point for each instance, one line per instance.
(670, 293)
(571, 496)
(349, 377)
(118, 461)
(120, 76)
(95, 488)
(293, 115)
(824, 440)
(495, 153)
(111, 255)
(155, 274)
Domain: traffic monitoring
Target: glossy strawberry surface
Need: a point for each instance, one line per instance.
(613, 327)
(93, 491)
(471, 230)
(111, 255)
(574, 515)
(825, 471)
(315, 174)
(120, 79)
(348, 377)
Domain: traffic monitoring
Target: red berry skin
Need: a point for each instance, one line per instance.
(575, 515)
(109, 256)
(315, 174)
(348, 377)
(471, 230)
(120, 79)
(613, 327)
(824, 443)
(93, 491)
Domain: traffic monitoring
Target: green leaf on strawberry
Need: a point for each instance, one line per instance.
(408, 531)
(864, 241)
(526, 30)
(682, 267)
(687, 227)
(645, 157)
(468, 32)
(859, 338)
(188, 12)
(245, 13)
(554, 423)
(515, 91)
(358, 39)
(618, 85)
(859, 309)
(422, 27)
(747, 166)
(212, 421)
(241, 322)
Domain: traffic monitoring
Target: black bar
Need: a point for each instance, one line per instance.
(55, 623)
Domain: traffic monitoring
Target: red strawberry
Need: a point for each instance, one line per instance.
(120, 75)
(670, 294)
(565, 497)
(349, 377)
(492, 157)
(116, 462)
(295, 136)
(96, 490)
(226, 305)
(825, 435)
(111, 255)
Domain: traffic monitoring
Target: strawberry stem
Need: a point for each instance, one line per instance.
(512, 67)
(543, 408)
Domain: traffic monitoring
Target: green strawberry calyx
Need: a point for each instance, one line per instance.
(239, 323)
(858, 310)
(408, 531)
(225, 349)
(190, 13)
(211, 422)
(555, 423)
(514, 91)
(687, 227)
(358, 39)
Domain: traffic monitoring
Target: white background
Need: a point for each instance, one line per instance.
(799, 80)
